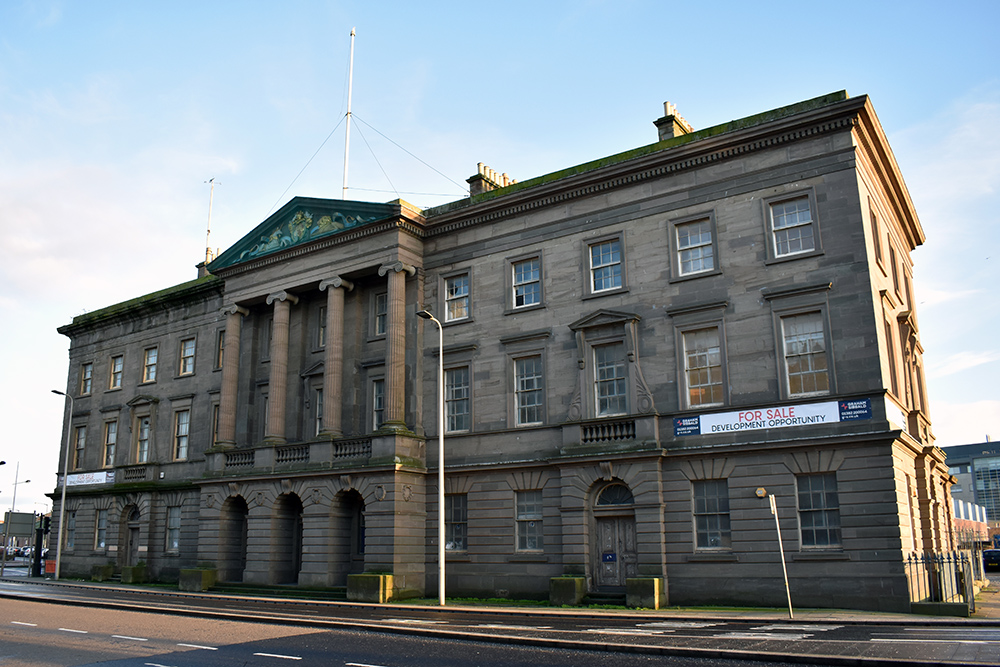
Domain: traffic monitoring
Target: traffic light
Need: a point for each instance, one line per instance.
(45, 524)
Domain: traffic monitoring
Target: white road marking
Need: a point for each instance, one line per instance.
(500, 626)
(935, 641)
(762, 635)
(360, 664)
(801, 628)
(156, 664)
(80, 632)
(31, 625)
(679, 624)
(207, 648)
(276, 655)
(628, 631)
(418, 621)
(135, 639)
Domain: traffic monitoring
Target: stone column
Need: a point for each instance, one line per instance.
(226, 433)
(278, 385)
(395, 358)
(333, 365)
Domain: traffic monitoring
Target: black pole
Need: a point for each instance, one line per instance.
(36, 555)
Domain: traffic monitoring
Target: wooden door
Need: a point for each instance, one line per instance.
(615, 551)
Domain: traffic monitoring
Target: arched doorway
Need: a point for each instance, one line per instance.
(614, 554)
(286, 540)
(233, 539)
(348, 543)
(130, 530)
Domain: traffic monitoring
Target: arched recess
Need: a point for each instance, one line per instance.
(347, 543)
(614, 554)
(233, 539)
(286, 539)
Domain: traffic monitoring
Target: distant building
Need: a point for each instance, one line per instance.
(977, 473)
(633, 346)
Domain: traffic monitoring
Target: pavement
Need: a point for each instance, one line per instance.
(987, 607)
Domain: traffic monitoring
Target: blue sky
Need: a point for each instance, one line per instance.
(114, 114)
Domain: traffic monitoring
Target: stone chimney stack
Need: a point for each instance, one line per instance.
(672, 124)
(486, 180)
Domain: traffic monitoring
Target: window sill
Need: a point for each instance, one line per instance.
(820, 555)
(524, 309)
(457, 557)
(713, 557)
(607, 292)
(695, 276)
(793, 257)
(528, 558)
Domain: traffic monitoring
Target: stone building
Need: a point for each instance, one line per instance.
(633, 347)
(976, 469)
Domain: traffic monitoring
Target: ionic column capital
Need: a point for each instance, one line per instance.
(282, 296)
(396, 266)
(336, 281)
(234, 309)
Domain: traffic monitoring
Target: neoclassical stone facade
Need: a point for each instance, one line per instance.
(632, 348)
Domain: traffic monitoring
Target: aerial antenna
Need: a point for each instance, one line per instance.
(347, 137)
(208, 232)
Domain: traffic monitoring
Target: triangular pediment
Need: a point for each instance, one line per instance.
(600, 318)
(301, 221)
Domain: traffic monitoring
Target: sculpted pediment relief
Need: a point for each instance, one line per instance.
(301, 221)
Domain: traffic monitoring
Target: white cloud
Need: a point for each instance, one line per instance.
(965, 423)
(962, 361)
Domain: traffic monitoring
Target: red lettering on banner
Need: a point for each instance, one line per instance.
(750, 415)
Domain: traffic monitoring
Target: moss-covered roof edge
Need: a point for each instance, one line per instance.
(723, 128)
(168, 295)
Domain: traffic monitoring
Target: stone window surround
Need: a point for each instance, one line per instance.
(585, 265)
(799, 300)
(509, 264)
(768, 202)
(675, 250)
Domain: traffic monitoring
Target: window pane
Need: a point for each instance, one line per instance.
(792, 227)
(528, 390)
(606, 266)
(711, 514)
(456, 521)
(381, 308)
(819, 510)
(805, 354)
(703, 367)
(182, 428)
(609, 368)
(457, 297)
(529, 520)
(378, 403)
(527, 283)
(694, 247)
(457, 404)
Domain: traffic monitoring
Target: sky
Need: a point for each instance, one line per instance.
(113, 115)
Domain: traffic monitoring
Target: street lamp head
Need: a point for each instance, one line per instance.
(425, 314)
(56, 391)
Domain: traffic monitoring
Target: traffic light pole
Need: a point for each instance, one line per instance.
(36, 556)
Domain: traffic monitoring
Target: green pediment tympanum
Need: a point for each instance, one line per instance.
(301, 221)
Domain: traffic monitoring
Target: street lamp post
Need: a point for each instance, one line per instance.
(427, 316)
(10, 517)
(65, 481)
